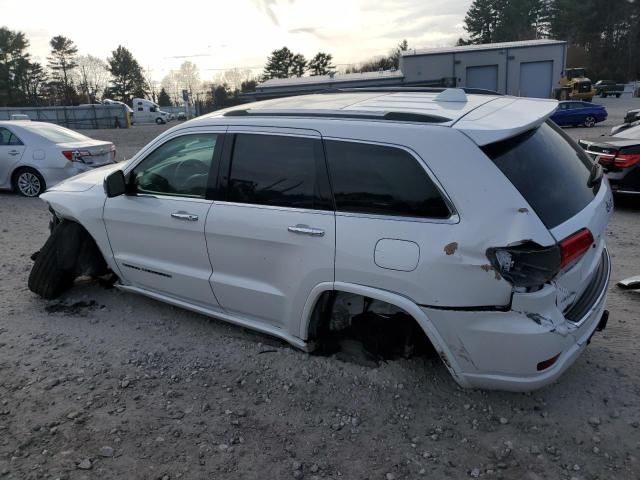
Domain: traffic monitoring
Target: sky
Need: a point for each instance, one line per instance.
(217, 35)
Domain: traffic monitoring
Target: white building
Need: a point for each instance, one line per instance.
(530, 68)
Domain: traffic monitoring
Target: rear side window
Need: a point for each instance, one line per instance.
(8, 138)
(278, 170)
(549, 170)
(382, 180)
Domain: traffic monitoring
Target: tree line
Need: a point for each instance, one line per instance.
(67, 78)
(603, 35)
(283, 63)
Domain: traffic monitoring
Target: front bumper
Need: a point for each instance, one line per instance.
(502, 350)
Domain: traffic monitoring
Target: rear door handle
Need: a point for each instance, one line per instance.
(185, 216)
(14, 152)
(306, 230)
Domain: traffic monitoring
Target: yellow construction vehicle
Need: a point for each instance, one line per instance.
(574, 85)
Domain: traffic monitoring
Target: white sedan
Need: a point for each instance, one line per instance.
(38, 155)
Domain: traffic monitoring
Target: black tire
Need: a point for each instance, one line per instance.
(617, 95)
(51, 275)
(28, 182)
(159, 121)
(590, 121)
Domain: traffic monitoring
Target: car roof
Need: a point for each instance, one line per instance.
(485, 118)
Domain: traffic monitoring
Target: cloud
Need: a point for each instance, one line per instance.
(267, 6)
(314, 31)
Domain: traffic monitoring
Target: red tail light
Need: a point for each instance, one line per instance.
(76, 155)
(626, 160)
(575, 246)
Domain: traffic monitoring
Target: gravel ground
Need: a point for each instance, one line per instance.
(108, 385)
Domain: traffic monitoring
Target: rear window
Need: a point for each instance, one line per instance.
(56, 134)
(549, 170)
(381, 180)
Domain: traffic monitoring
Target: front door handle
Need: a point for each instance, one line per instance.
(306, 230)
(14, 152)
(185, 216)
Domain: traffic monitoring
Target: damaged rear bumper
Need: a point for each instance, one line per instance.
(504, 350)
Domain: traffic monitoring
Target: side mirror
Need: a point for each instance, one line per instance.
(115, 184)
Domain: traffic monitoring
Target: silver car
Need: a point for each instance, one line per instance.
(38, 155)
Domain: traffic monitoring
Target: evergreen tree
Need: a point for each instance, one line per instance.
(279, 64)
(403, 46)
(320, 64)
(62, 61)
(298, 65)
(248, 86)
(164, 100)
(13, 60)
(127, 77)
(491, 21)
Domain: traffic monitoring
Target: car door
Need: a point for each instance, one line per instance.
(156, 230)
(11, 151)
(271, 235)
(578, 113)
(561, 115)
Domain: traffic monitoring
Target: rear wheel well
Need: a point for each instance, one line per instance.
(384, 329)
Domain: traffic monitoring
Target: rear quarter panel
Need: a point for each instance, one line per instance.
(452, 269)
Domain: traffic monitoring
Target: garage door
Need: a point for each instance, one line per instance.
(483, 77)
(536, 79)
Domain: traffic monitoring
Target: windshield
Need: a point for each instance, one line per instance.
(56, 133)
(549, 170)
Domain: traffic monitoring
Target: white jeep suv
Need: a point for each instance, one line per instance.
(471, 215)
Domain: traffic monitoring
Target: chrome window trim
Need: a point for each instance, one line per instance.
(273, 207)
(450, 220)
(161, 196)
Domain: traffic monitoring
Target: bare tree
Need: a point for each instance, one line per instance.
(234, 78)
(187, 77)
(92, 76)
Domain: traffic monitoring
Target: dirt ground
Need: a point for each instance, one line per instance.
(109, 385)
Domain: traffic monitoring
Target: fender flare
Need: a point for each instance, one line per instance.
(399, 301)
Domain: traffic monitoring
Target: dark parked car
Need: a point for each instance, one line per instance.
(604, 88)
(572, 113)
(619, 155)
(632, 116)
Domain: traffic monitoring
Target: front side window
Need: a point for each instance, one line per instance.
(179, 167)
(8, 138)
(381, 180)
(276, 170)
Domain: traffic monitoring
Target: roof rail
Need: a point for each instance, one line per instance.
(470, 91)
(340, 114)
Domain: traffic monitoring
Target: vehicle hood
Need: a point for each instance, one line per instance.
(86, 180)
(608, 141)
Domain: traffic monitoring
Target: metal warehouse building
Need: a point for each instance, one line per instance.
(529, 69)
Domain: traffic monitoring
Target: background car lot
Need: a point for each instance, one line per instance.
(175, 394)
